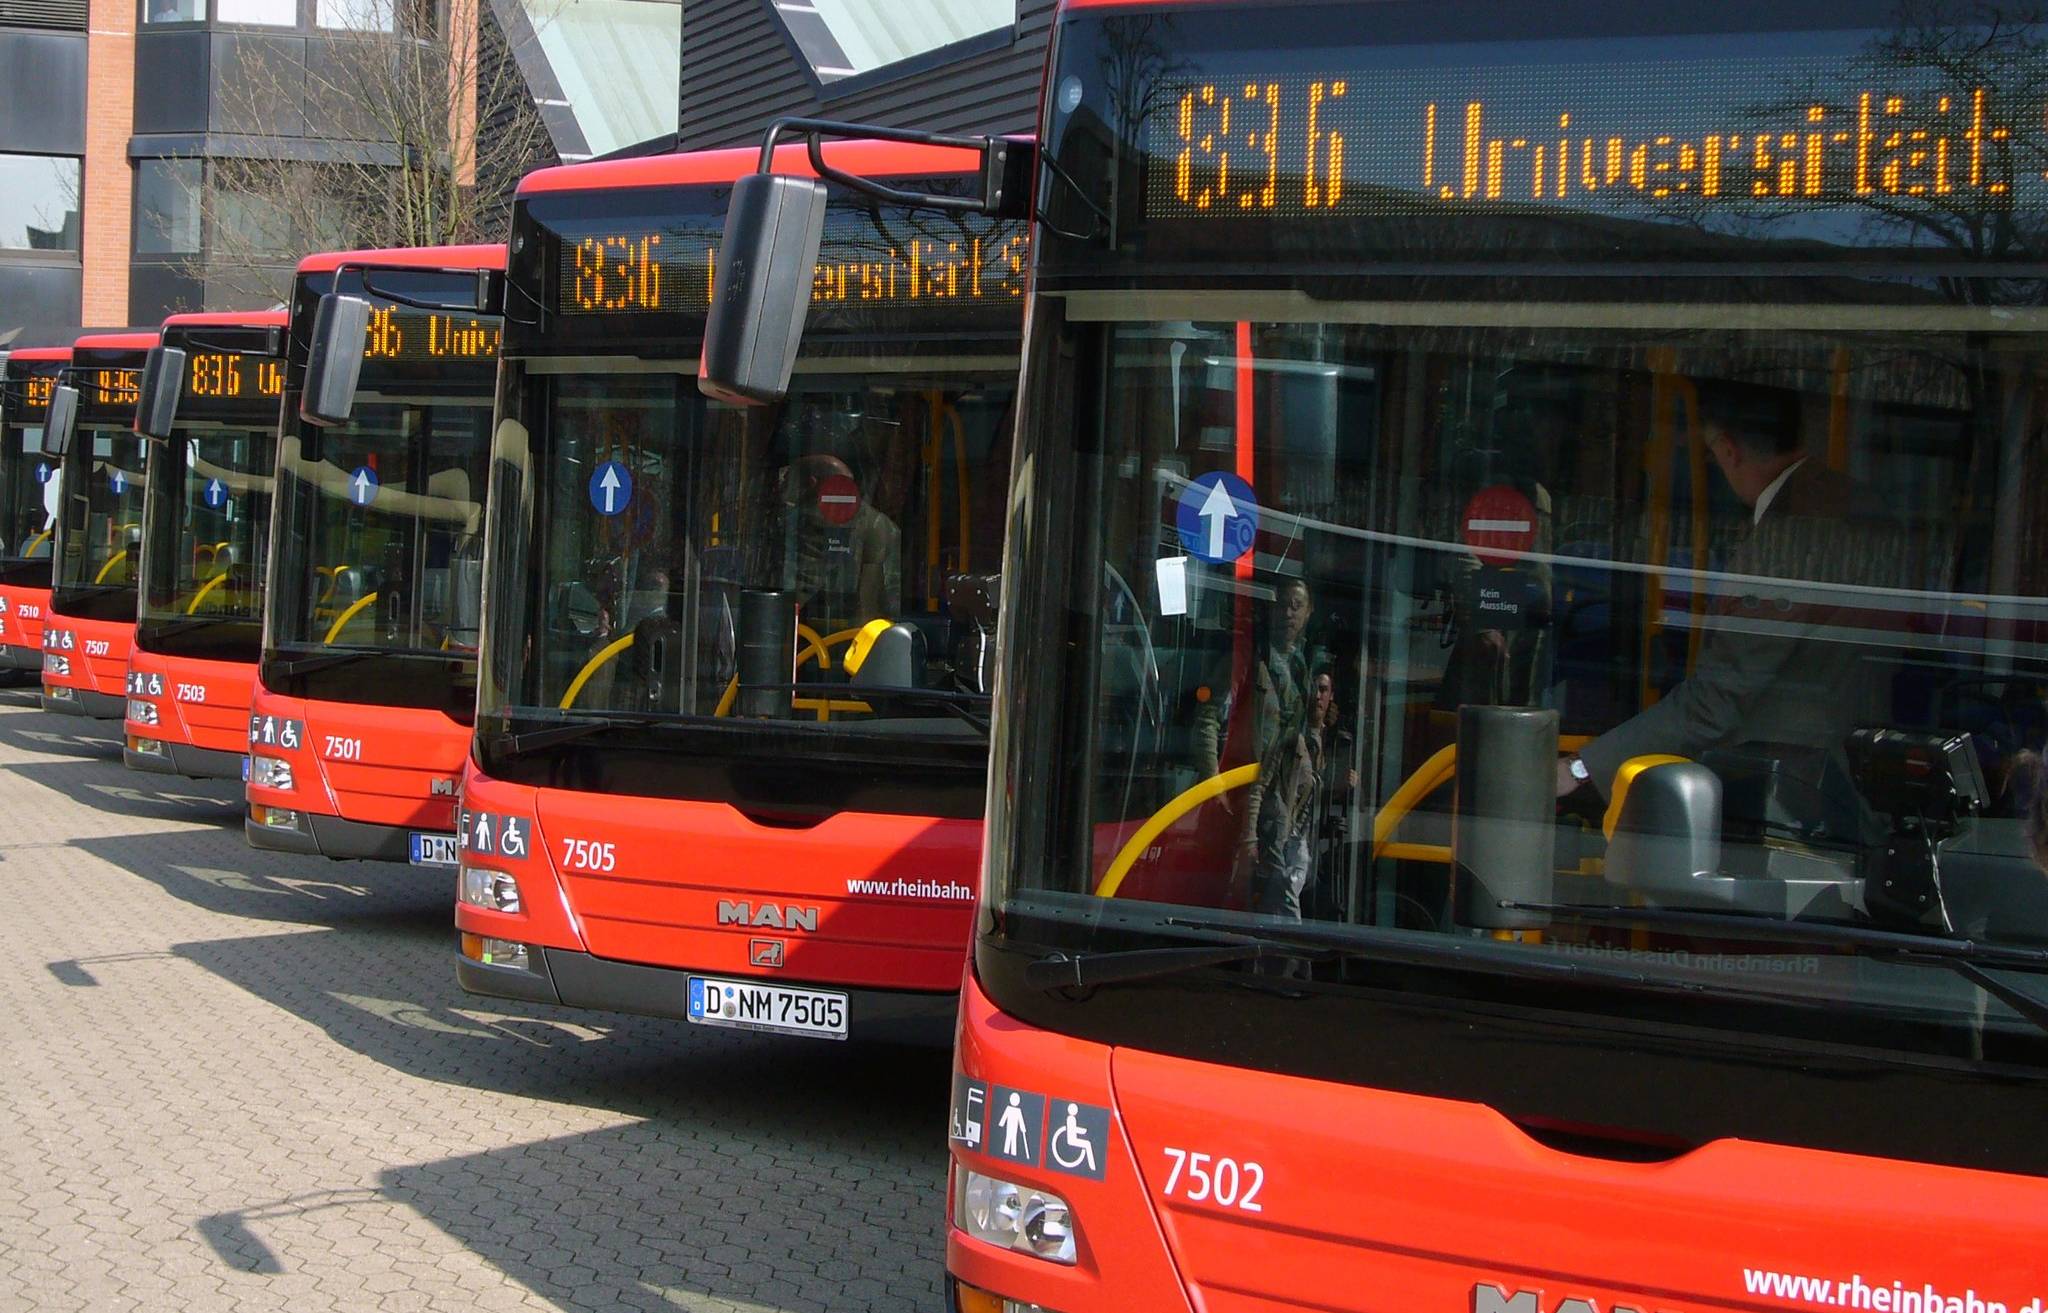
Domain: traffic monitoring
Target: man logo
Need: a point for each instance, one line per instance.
(764, 952)
(443, 788)
(768, 916)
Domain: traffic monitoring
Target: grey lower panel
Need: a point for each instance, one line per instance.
(152, 763)
(331, 836)
(68, 706)
(507, 982)
(21, 658)
(103, 706)
(584, 981)
(205, 763)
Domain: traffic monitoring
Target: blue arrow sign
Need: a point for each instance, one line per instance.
(611, 487)
(42, 471)
(362, 486)
(1218, 518)
(216, 494)
(117, 481)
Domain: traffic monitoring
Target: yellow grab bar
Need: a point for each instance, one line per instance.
(726, 699)
(334, 630)
(591, 667)
(204, 589)
(1127, 856)
(108, 568)
(35, 542)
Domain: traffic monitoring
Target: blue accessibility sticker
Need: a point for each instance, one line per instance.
(215, 494)
(362, 486)
(1218, 518)
(611, 487)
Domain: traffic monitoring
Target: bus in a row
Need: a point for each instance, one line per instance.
(28, 505)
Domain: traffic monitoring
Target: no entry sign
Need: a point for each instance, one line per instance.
(838, 499)
(1499, 522)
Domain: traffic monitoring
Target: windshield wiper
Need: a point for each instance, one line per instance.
(962, 705)
(1086, 970)
(1966, 957)
(324, 661)
(535, 739)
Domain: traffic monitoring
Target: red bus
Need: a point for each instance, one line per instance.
(367, 685)
(101, 479)
(28, 505)
(755, 637)
(205, 527)
(1524, 668)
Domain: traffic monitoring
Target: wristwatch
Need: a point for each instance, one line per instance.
(1579, 771)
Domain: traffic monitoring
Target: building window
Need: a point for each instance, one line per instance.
(257, 13)
(39, 202)
(358, 15)
(167, 207)
(174, 11)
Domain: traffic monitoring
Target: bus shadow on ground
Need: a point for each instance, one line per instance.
(45, 733)
(105, 785)
(216, 870)
(769, 1172)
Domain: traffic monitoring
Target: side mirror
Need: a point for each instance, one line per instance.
(341, 330)
(59, 421)
(766, 267)
(163, 382)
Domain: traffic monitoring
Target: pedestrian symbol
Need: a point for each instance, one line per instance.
(216, 494)
(117, 481)
(1020, 1120)
(362, 486)
(611, 487)
(1080, 1136)
(480, 832)
(1218, 518)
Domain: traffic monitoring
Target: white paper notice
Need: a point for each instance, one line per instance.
(1173, 585)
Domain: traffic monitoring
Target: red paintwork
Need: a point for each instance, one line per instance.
(45, 354)
(661, 911)
(110, 342)
(217, 720)
(713, 166)
(229, 319)
(102, 671)
(23, 610)
(404, 750)
(1376, 1200)
(408, 257)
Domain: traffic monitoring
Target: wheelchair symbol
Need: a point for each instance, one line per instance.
(1071, 1148)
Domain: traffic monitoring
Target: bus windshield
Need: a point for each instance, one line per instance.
(1451, 573)
(385, 516)
(206, 524)
(27, 494)
(100, 543)
(872, 495)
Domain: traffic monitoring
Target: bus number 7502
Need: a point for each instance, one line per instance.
(1200, 1177)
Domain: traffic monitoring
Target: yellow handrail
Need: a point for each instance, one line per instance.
(1431, 775)
(591, 667)
(812, 643)
(35, 542)
(1127, 856)
(334, 630)
(204, 589)
(726, 699)
(108, 568)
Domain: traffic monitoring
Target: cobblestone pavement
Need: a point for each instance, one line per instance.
(232, 1079)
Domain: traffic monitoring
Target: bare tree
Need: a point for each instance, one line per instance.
(424, 127)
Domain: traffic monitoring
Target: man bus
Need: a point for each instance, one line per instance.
(28, 501)
(101, 479)
(367, 685)
(205, 530)
(1698, 347)
(731, 737)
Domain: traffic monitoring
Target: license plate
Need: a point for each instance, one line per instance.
(433, 849)
(751, 1005)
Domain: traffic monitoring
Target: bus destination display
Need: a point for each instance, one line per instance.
(235, 376)
(35, 392)
(1707, 128)
(894, 260)
(415, 335)
(112, 387)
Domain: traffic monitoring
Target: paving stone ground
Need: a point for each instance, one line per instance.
(241, 1080)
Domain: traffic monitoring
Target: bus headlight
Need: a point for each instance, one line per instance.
(1021, 1217)
(142, 713)
(494, 891)
(270, 773)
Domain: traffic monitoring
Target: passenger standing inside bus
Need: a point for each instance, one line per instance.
(845, 564)
(1773, 669)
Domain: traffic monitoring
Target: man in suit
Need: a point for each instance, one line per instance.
(1775, 667)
